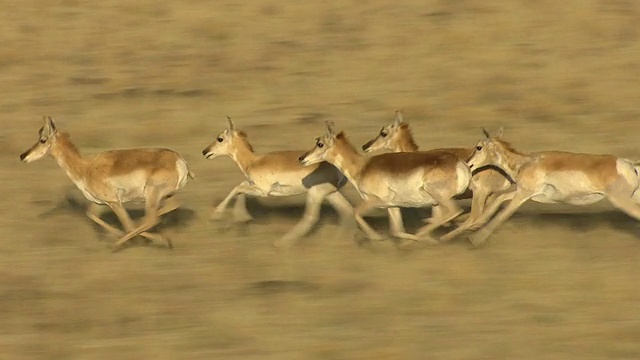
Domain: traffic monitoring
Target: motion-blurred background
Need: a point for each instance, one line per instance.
(555, 283)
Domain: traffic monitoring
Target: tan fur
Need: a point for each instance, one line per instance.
(461, 153)
(600, 168)
(117, 177)
(282, 162)
(397, 137)
(557, 177)
(278, 174)
(391, 180)
(399, 165)
(407, 138)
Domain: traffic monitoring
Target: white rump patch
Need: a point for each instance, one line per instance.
(183, 173)
(463, 174)
(629, 170)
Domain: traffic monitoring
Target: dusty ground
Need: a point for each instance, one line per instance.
(555, 283)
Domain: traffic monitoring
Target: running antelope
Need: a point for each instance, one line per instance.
(117, 177)
(394, 180)
(485, 183)
(554, 177)
(279, 174)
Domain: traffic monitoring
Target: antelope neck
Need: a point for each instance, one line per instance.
(68, 157)
(244, 156)
(406, 142)
(512, 162)
(347, 159)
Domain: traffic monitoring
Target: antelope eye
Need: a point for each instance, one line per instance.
(320, 145)
(383, 134)
(42, 141)
(478, 147)
(220, 139)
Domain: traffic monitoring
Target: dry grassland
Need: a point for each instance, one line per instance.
(556, 282)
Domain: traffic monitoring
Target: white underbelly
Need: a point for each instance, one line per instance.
(130, 187)
(406, 192)
(573, 196)
(91, 197)
(576, 200)
(569, 187)
(130, 194)
(281, 188)
(287, 191)
(409, 198)
(87, 193)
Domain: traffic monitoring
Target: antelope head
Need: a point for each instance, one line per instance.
(322, 149)
(487, 151)
(225, 142)
(46, 136)
(387, 136)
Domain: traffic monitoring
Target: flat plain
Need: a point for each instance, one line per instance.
(555, 282)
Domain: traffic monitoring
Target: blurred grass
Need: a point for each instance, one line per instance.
(557, 75)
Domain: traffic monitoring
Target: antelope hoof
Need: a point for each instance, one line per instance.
(116, 248)
(447, 237)
(429, 241)
(376, 238)
(241, 218)
(283, 243)
(407, 244)
(474, 227)
(363, 239)
(216, 215)
(478, 240)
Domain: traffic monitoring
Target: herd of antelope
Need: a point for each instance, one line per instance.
(490, 174)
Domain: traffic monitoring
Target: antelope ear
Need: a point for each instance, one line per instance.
(232, 126)
(486, 133)
(399, 118)
(500, 132)
(330, 125)
(49, 125)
